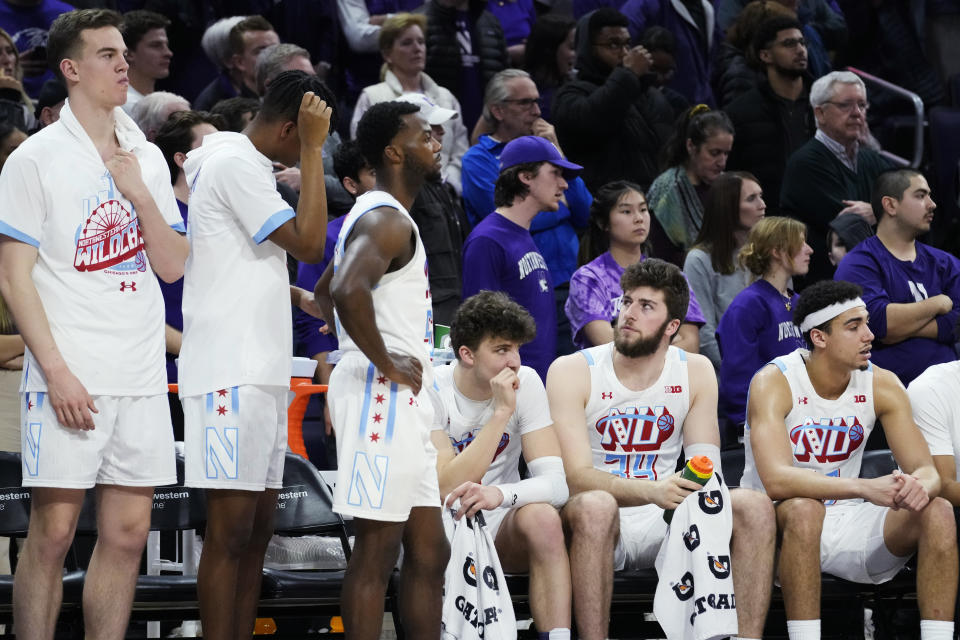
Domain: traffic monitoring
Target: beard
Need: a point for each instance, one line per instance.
(642, 346)
(415, 172)
(790, 72)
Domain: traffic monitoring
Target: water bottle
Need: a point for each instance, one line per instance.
(699, 469)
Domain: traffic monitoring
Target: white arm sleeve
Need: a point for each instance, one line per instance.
(712, 451)
(547, 484)
(362, 37)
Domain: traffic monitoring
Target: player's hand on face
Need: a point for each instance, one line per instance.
(9, 82)
(504, 386)
(671, 491)
(912, 494)
(70, 401)
(313, 121)
(405, 370)
(543, 129)
(124, 168)
(638, 60)
(473, 498)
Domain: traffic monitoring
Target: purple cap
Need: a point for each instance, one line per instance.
(536, 149)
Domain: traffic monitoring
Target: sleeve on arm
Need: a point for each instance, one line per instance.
(860, 268)
(698, 269)
(22, 195)
(932, 416)
(586, 301)
(482, 259)
(251, 193)
(478, 177)
(362, 36)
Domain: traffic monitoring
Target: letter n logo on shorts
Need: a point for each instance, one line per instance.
(31, 449)
(222, 448)
(368, 482)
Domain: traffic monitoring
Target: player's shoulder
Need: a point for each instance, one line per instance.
(939, 377)
(884, 380)
(572, 365)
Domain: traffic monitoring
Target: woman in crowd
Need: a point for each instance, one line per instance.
(758, 325)
(550, 56)
(15, 104)
(696, 155)
(734, 205)
(404, 50)
(615, 239)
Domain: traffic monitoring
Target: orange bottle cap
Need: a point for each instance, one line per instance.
(701, 465)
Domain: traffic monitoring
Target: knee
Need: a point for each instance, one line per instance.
(753, 512)
(594, 514)
(124, 536)
(49, 540)
(801, 518)
(540, 527)
(938, 523)
(232, 538)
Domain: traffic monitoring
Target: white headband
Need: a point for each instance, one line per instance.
(827, 314)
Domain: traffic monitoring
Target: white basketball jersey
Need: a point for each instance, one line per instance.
(401, 299)
(827, 436)
(636, 434)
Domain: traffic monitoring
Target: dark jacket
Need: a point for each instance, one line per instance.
(733, 75)
(762, 144)
(611, 122)
(443, 50)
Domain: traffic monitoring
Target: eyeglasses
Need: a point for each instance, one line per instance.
(523, 103)
(792, 43)
(847, 107)
(614, 45)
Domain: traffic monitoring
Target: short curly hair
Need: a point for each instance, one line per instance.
(379, 125)
(819, 296)
(661, 276)
(490, 314)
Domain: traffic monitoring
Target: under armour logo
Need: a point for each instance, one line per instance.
(802, 400)
(413, 403)
(124, 286)
(604, 395)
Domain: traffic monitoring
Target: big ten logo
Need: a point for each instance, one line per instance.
(859, 399)
(291, 493)
(826, 439)
(634, 429)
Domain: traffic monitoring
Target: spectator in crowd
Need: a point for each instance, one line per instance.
(832, 174)
(28, 21)
(810, 414)
(236, 112)
(615, 239)
(440, 221)
(846, 232)
(148, 53)
(935, 401)
(594, 393)
(549, 57)
(758, 325)
(215, 43)
(696, 155)
(10, 138)
(53, 96)
(244, 42)
(500, 251)
(276, 59)
(518, 18)
(823, 25)
(609, 118)
(240, 229)
(911, 289)
(698, 37)
(360, 22)
(105, 421)
(737, 69)
(15, 105)
(465, 49)
(151, 111)
(510, 105)
(773, 119)
(11, 366)
(661, 45)
(404, 51)
(734, 205)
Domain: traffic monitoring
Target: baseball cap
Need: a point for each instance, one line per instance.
(536, 149)
(51, 93)
(432, 113)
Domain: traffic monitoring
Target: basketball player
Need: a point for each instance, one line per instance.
(813, 411)
(88, 211)
(386, 476)
(640, 369)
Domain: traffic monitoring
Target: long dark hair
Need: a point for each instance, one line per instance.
(721, 219)
(596, 240)
(547, 35)
(696, 124)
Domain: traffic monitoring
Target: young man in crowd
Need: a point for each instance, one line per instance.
(148, 53)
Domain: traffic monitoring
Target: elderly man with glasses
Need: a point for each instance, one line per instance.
(832, 174)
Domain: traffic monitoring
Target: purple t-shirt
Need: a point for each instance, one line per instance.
(173, 303)
(517, 18)
(885, 280)
(308, 341)
(756, 328)
(500, 255)
(595, 295)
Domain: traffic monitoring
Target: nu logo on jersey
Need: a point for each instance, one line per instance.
(464, 442)
(691, 538)
(110, 235)
(711, 502)
(684, 588)
(635, 428)
(826, 439)
(719, 566)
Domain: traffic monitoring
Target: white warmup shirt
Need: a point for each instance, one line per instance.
(99, 293)
(462, 419)
(237, 326)
(827, 436)
(935, 399)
